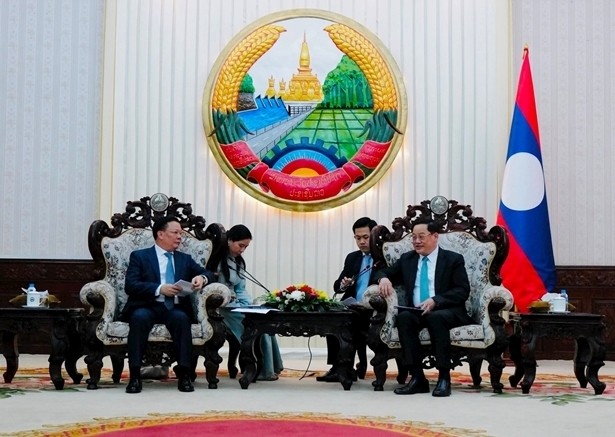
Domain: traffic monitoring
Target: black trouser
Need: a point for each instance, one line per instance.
(438, 322)
(177, 322)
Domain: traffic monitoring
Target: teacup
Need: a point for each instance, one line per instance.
(37, 298)
(558, 305)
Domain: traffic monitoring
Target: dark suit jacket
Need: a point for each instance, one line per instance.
(452, 286)
(143, 278)
(352, 266)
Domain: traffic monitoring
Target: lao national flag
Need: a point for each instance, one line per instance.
(529, 270)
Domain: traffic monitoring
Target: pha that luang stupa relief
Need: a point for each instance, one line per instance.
(304, 86)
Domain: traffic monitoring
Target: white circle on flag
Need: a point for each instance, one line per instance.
(523, 187)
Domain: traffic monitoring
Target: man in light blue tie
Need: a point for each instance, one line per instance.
(438, 285)
(359, 267)
(153, 298)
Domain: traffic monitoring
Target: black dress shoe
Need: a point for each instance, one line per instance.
(443, 388)
(330, 376)
(184, 384)
(415, 385)
(134, 385)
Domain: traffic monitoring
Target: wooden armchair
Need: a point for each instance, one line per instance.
(104, 334)
(484, 253)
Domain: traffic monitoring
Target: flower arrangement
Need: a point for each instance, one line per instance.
(300, 298)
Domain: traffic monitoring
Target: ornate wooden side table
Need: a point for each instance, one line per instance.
(61, 324)
(586, 329)
(297, 324)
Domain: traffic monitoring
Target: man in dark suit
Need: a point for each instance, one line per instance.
(152, 298)
(437, 283)
(359, 267)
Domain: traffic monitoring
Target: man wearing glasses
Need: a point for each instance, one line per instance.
(359, 268)
(437, 284)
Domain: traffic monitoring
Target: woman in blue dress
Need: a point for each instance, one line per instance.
(230, 268)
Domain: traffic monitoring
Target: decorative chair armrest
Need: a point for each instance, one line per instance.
(209, 299)
(100, 297)
(371, 292)
(382, 324)
(494, 299)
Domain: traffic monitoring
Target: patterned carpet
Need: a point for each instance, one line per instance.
(558, 391)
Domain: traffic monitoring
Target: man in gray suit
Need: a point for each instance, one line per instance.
(438, 287)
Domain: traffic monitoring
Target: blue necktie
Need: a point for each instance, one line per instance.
(363, 278)
(169, 278)
(424, 280)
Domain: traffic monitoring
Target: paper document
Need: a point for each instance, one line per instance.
(253, 309)
(415, 310)
(185, 286)
(350, 301)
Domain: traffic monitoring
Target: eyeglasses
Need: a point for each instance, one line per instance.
(419, 237)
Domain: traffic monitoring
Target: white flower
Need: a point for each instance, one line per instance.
(297, 295)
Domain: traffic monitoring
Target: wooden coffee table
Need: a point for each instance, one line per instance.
(586, 329)
(62, 326)
(297, 324)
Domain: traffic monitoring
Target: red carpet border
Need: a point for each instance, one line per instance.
(242, 424)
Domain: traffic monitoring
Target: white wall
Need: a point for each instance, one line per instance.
(50, 81)
(572, 51)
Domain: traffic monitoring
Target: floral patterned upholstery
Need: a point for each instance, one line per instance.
(478, 257)
(110, 246)
(116, 252)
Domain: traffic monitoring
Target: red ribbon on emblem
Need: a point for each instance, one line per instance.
(299, 188)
